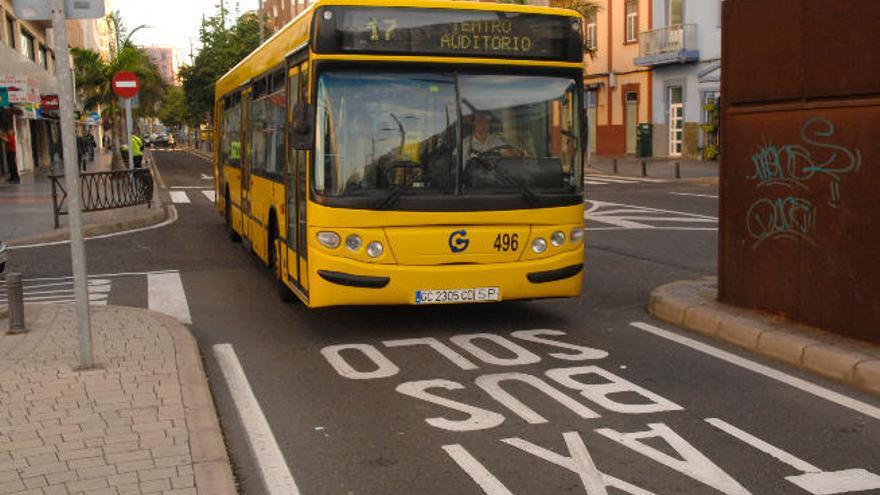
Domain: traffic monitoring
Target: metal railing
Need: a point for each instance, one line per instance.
(671, 39)
(105, 190)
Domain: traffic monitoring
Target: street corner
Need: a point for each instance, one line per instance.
(692, 305)
(142, 414)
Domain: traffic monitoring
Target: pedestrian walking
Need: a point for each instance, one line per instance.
(81, 152)
(9, 139)
(137, 149)
(90, 142)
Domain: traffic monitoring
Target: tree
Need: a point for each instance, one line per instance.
(172, 111)
(94, 76)
(222, 48)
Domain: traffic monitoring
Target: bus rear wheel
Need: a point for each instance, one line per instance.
(233, 236)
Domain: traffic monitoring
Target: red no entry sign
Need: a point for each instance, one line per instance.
(126, 84)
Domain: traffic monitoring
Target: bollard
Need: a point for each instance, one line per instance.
(644, 169)
(614, 165)
(678, 170)
(15, 298)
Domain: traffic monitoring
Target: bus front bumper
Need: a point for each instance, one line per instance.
(336, 281)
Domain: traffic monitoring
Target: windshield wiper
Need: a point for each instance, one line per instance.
(527, 193)
(396, 193)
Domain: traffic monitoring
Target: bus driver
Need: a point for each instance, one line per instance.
(484, 141)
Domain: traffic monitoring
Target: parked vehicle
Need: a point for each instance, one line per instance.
(2, 257)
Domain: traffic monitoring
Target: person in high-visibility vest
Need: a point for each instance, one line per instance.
(235, 152)
(137, 150)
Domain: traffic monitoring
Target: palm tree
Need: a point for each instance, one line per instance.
(94, 75)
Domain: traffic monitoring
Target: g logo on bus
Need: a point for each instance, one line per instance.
(458, 241)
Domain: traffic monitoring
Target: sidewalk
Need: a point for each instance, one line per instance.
(663, 168)
(692, 304)
(142, 422)
(26, 210)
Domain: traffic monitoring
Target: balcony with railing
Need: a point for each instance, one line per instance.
(670, 45)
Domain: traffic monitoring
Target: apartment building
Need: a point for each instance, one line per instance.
(167, 62)
(27, 74)
(618, 92)
(683, 49)
(277, 13)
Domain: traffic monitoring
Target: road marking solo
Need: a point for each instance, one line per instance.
(273, 469)
(810, 388)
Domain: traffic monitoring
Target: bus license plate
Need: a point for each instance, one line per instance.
(452, 296)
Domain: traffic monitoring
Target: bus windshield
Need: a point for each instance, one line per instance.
(383, 136)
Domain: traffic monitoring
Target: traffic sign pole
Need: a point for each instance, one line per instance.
(126, 85)
(71, 177)
(128, 127)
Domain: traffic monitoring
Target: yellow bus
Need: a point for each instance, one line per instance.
(409, 152)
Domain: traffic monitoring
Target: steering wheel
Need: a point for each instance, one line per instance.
(391, 170)
(496, 151)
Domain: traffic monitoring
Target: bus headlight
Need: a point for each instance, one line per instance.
(558, 238)
(353, 243)
(329, 239)
(577, 234)
(375, 249)
(539, 245)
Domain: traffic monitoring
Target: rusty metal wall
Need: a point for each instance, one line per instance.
(800, 167)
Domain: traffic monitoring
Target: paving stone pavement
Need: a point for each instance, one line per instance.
(141, 422)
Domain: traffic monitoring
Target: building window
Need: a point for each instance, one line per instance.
(10, 32)
(632, 21)
(591, 32)
(675, 15)
(27, 46)
(43, 59)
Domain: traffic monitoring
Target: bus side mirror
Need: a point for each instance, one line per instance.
(302, 135)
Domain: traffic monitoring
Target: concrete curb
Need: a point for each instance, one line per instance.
(213, 471)
(692, 304)
(158, 215)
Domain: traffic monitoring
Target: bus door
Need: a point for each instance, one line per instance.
(297, 267)
(246, 163)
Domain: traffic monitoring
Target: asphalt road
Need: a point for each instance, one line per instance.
(541, 397)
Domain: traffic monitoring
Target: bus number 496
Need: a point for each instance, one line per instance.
(506, 242)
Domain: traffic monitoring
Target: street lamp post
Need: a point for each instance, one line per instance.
(71, 178)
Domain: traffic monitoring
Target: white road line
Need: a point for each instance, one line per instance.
(650, 227)
(172, 217)
(481, 476)
(210, 194)
(814, 479)
(273, 468)
(810, 388)
(638, 179)
(594, 183)
(93, 276)
(711, 196)
(166, 295)
(179, 197)
(187, 187)
(643, 209)
(613, 181)
(206, 177)
(763, 446)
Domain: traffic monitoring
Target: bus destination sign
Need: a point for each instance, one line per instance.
(470, 33)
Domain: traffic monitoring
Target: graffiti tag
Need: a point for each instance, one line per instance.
(793, 165)
(788, 218)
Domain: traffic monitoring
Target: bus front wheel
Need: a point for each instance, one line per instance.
(274, 258)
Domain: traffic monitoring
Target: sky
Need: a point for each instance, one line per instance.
(172, 22)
